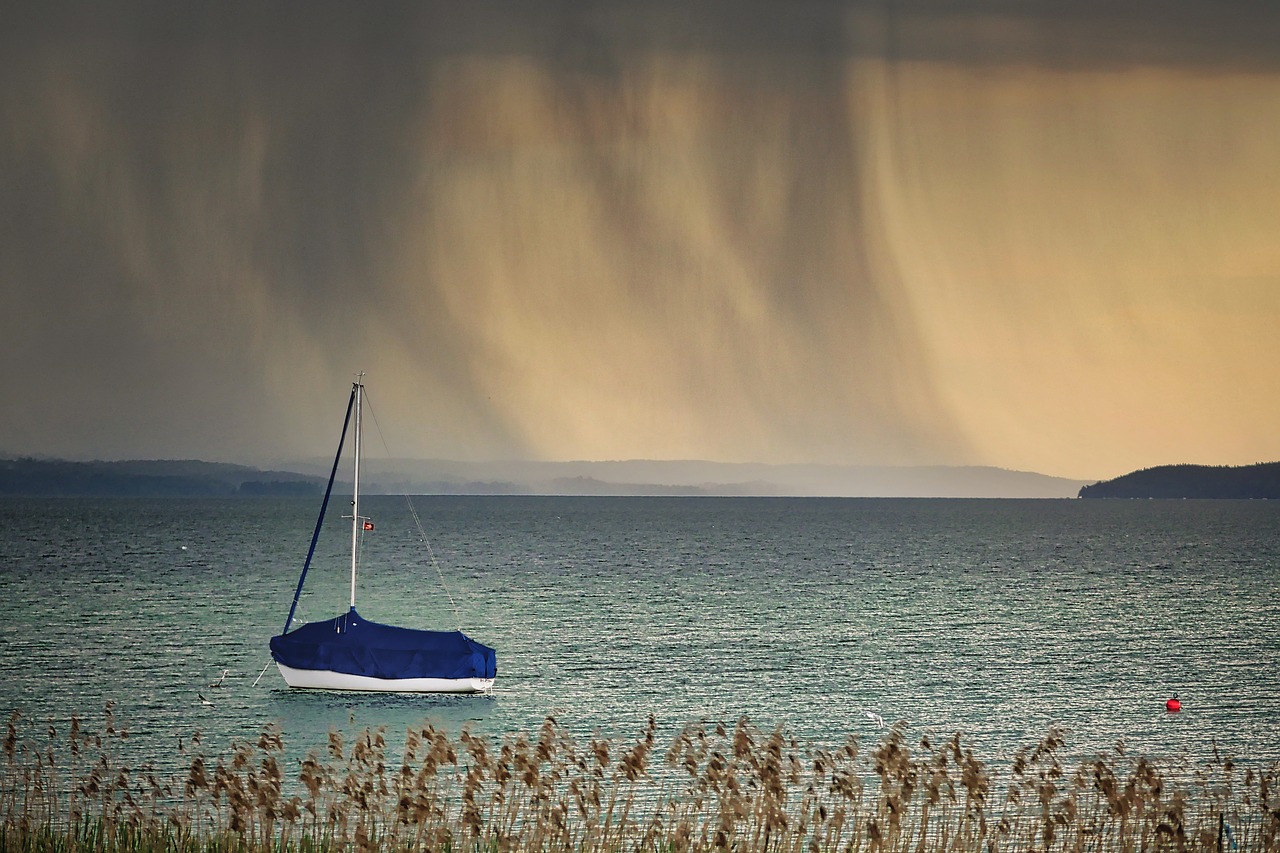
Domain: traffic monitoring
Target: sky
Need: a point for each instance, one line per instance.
(1037, 235)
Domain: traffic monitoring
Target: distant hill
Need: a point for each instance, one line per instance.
(152, 478)
(1192, 481)
(694, 477)
(162, 478)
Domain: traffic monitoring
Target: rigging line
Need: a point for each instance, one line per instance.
(432, 554)
(315, 537)
(422, 534)
(266, 665)
(264, 672)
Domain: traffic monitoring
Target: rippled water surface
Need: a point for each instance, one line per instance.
(993, 618)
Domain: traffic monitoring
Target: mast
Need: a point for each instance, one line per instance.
(356, 524)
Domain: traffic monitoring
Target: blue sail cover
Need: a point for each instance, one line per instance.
(355, 646)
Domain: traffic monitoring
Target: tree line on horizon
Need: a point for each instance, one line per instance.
(1244, 482)
(61, 478)
(31, 477)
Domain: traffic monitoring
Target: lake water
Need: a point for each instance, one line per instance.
(992, 618)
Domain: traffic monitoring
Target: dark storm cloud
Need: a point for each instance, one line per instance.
(1236, 33)
(184, 184)
(155, 156)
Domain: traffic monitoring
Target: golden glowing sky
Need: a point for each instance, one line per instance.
(1045, 240)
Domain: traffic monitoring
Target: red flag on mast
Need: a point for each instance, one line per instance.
(368, 525)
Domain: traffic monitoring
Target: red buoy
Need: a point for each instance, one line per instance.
(1173, 706)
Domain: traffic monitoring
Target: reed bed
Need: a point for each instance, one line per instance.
(714, 787)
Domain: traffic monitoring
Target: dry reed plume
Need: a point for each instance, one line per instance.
(719, 788)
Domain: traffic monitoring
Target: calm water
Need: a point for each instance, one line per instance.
(994, 618)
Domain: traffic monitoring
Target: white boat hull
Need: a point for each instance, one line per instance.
(323, 679)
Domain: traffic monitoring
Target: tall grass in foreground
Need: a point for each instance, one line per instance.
(714, 788)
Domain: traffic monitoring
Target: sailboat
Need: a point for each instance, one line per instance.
(349, 652)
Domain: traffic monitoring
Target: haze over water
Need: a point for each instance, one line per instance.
(992, 618)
